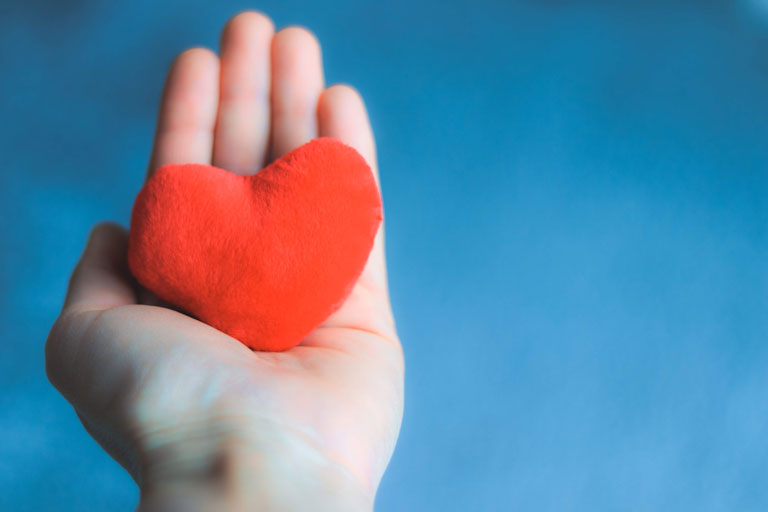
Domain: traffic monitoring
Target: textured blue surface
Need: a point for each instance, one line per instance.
(577, 237)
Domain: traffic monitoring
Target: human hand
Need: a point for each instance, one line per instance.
(199, 420)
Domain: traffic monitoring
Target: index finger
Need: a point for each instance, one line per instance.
(187, 115)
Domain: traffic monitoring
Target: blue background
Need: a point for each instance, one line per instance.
(577, 237)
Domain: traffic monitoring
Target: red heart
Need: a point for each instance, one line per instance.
(264, 258)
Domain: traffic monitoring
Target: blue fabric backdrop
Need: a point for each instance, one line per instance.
(577, 237)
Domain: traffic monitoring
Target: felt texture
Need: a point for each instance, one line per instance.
(264, 258)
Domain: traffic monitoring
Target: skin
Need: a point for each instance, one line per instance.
(200, 421)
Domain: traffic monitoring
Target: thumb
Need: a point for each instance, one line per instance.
(101, 279)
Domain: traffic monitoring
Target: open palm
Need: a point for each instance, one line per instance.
(155, 386)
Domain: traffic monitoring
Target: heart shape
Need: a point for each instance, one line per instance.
(264, 258)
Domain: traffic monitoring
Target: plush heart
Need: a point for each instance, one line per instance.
(264, 258)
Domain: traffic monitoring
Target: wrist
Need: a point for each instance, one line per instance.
(222, 466)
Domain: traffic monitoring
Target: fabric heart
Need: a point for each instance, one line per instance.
(264, 258)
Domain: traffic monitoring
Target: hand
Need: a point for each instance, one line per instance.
(200, 421)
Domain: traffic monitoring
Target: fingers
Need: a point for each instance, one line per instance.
(297, 81)
(101, 279)
(242, 126)
(188, 110)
